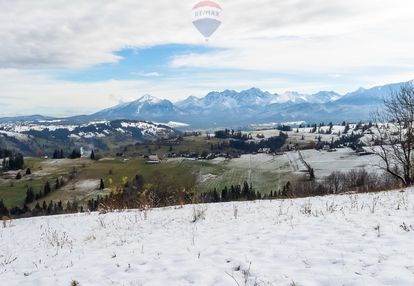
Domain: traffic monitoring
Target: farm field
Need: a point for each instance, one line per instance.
(343, 160)
(13, 191)
(196, 144)
(264, 172)
(86, 177)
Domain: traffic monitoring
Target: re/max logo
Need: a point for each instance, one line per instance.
(204, 13)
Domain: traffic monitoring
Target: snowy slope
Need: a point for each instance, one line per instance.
(334, 240)
(143, 108)
(87, 130)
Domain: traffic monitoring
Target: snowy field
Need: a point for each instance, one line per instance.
(343, 160)
(362, 239)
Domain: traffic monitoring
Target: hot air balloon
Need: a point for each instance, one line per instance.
(206, 17)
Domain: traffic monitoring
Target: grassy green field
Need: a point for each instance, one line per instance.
(264, 172)
(196, 144)
(112, 171)
(13, 192)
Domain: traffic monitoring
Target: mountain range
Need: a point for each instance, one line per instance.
(230, 108)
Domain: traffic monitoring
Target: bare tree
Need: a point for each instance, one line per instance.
(394, 138)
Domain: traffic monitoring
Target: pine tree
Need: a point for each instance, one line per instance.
(68, 207)
(3, 209)
(75, 154)
(224, 194)
(29, 195)
(92, 155)
(346, 128)
(57, 184)
(49, 209)
(46, 189)
(101, 185)
(28, 171)
(18, 176)
(216, 196)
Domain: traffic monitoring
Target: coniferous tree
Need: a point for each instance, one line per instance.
(3, 209)
(46, 189)
(75, 154)
(224, 194)
(57, 184)
(28, 171)
(216, 196)
(29, 195)
(92, 155)
(101, 185)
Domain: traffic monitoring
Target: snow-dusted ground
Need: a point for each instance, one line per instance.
(18, 130)
(343, 160)
(334, 240)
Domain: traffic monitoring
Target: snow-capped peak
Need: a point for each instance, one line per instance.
(147, 98)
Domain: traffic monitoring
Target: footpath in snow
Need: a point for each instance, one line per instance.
(364, 239)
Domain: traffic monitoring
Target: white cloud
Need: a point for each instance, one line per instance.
(261, 34)
(352, 39)
(147, 74)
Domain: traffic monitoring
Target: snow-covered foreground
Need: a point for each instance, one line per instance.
(334, 240)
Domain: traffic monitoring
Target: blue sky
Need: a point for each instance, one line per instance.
(138, 63)
(69, 57)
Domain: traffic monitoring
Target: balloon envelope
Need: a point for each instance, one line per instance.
(206, 17)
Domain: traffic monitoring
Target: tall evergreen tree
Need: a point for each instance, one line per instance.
(101, 185)
(3, 209)
(29, 195)
(46, 189)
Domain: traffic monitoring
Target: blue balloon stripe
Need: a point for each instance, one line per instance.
(207, 26)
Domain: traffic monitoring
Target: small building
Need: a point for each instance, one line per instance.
(211, 156)
(264, 150)
(153, 159)
(326, 148)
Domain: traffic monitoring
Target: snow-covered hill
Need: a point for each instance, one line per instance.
(88, 130)
(25, 136)
(364, 239)
(146, 106)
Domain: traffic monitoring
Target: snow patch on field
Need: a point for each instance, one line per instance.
(87, 185)
(344, 160)
(205, 178)
(335, 240)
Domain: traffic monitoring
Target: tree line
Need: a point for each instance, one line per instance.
(13, 162)
(162, 192)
